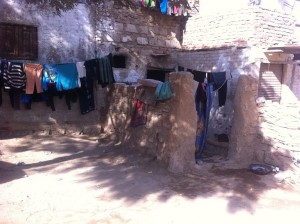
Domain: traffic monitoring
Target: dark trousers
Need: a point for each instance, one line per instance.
(15, 98)
(86, 95)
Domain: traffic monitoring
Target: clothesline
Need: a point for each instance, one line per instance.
(18, 77)
(167, 7)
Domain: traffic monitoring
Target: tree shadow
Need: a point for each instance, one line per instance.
(10, 172)
(130, 175)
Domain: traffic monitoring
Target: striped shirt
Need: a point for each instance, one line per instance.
(14, 75)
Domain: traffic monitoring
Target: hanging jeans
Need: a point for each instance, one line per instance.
(203, 107)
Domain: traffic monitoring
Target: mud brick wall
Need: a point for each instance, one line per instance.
(264, 132)
(278, 133)
(251, 26)
(169, 133)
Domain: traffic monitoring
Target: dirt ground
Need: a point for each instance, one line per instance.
(59, 179)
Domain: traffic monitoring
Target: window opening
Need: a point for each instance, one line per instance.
(18, 41)
(158, 74)
(119, 61)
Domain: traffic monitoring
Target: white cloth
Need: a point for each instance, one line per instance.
(81, 71)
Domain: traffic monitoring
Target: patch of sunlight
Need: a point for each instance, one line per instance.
(51, 119)
(143, 142)
(15, 6)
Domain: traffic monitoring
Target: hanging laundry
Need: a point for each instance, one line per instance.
(68, 76)
(50, 75)
(14, 75)
(81, 71)
(199, 76)
(164, 6)
(86, 91)
(175, 9)
(139, 115)
(1, 78)
(106, 75)
(63, 75)
(28, 99)
(14, 79)
(51, 91)
(147, 3)
(15, 98)
(92, 68)
(70, 97)
(33, 78)
(220, 83)
(152, 3)
(86, 95)
(203, 101)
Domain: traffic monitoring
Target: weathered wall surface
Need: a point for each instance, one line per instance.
(83, 33)
(263, 132)
(294, 81)
(243, 133)
(251, 26)
(236, 62)
(169, 133)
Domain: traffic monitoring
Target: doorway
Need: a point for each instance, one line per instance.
(270, 81)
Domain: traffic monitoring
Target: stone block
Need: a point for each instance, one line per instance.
(142, 41)
(126, 39)
(143, 29)
(119, 26)
(131, 28)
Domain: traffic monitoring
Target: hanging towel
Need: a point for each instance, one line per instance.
(68, 76)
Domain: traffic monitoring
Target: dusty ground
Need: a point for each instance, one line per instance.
(78, 180)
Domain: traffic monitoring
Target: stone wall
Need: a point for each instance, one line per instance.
(169, 133)
(85, 32)
(250, 26)
(263, 131)
(278, 134)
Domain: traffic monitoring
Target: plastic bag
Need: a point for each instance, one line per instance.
(263, 169)
(163, 91)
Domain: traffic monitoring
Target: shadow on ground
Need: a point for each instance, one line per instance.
(10, 172)
(130, 174)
